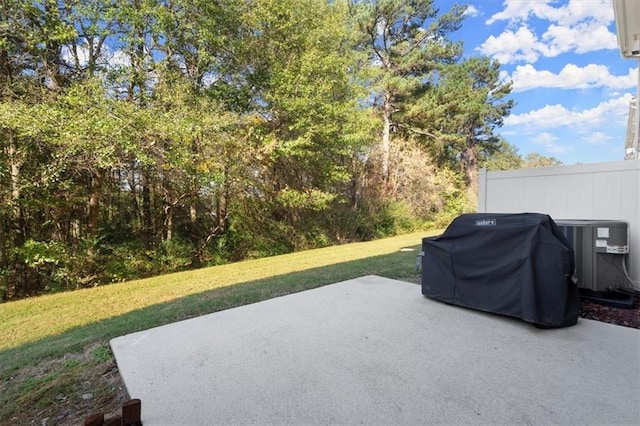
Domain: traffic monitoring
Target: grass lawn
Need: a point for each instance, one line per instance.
(52, 347)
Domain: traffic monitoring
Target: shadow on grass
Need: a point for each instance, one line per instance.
(397, 265)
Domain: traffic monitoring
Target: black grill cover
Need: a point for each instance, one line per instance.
(519, 265)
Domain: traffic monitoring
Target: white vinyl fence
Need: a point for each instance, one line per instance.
(601, 191)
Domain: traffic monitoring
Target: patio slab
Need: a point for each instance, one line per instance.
(375, 351)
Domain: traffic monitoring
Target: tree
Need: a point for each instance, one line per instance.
(200, 40)
(534, 160)
(145, 136)
(458, 116)
(28, 185)
(94, 21)
(100, 134)
(308, 119)
(200, 162)
(406, 43)
(503, 157)
(32, 37)
(201, 44)
(34, 33)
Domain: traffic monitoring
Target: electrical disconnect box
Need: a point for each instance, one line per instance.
(599, 247)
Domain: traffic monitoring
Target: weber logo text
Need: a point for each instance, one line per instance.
(486, 222)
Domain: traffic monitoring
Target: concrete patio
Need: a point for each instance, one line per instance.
(375, 351)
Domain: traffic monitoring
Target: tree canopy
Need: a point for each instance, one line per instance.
(144, 136)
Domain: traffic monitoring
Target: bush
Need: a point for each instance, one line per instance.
(125, 262)
(48, 267)
(134, 260)
(173, 255)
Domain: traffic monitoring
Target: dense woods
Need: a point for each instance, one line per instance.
(146, 136)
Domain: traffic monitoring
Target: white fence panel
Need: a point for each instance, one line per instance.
(602, 191)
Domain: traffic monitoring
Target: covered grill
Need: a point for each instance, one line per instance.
(519, 265)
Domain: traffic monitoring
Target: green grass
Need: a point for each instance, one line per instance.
(54, 325)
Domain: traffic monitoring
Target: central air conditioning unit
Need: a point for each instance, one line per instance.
(599, 247)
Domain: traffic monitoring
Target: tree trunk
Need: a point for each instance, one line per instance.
(221, 211)
(147, 225)
(20, 281)
(94, 202)
(3, 243)
(5, 69)
(471, 170)
(51, 54)
(193, 214)
(14, 172)
(168, 220)
(133, 189)
(385, 146)
(16, 165)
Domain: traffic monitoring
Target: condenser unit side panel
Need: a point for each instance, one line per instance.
(599, 247)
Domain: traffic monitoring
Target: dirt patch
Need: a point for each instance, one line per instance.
(63, 391)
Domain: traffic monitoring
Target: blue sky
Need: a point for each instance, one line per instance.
(571, 85)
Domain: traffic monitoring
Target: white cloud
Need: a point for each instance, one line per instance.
(573, 12)
(68, 57)
(549, 142)
(581, 38)
(525, 45)
(526, 77)
(471, 11)
(517, 10)
(111, 57)
(549, 116)
(510, 46)
(117, 58)
(580, 26)
(210, 79)
(600, 11)
(555, 116)
(597, 138)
